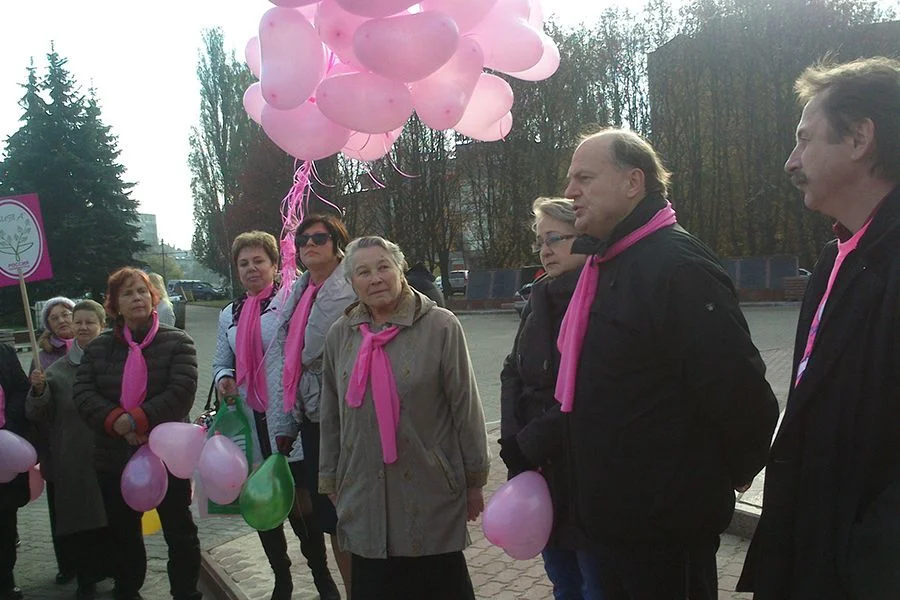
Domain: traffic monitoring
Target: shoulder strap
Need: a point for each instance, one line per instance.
(209, 397)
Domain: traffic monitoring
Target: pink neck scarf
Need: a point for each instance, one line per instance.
(134, 378)
(373, 359)
(249, 351)
(575, 322)
(844, 249)
(2, 407)
(293, 346)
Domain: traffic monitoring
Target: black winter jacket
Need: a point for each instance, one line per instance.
(171, 384)
(672, 409)
(15, 386)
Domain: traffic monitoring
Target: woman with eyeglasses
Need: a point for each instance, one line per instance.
(249, 361)
(532, 426)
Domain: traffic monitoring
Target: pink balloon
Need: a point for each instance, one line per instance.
(509, 45)
(253, 102)
(144, 481)
(466, 13)
(178, 445)
(18, 455)
(545, 67)
(35, 482)
(375, 8)
(365, 102)
(304, 132)
(366, 146)
(7, 476)
(251, 55)
(292, 3)
(520, 515)
(406, 47)
(292, 58)
(491, 99)
(336, 27)
(441, 98)
(223, 469)
(493, 132)
(536, 18)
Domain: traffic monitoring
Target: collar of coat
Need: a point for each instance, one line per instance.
(886, 220)
(643, 212)
(410, 309)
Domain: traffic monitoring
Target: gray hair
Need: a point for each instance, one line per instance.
(373, 241)
(560, 209)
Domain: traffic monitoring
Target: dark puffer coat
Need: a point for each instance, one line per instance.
(15, 385)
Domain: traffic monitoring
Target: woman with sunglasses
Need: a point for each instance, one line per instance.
(249, 362)
(318, 298)
(532, 425)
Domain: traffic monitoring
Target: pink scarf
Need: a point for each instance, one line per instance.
(372, 358)
(293, 346)
(575, 322)
(134, 378)
(249, 351)
(2, 407)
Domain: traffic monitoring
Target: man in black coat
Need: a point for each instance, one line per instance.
(671, 411)
(830, 525)
(421, 280)
(13, 494)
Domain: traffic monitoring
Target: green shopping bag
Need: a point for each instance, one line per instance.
(231, 422)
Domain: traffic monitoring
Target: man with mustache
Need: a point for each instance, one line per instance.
(830, 525)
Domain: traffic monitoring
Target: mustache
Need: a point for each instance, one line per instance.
(798, 179)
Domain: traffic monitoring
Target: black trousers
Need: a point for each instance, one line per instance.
(435, 577)
(323, 509)
(129, 564)
(7, 548)
(92, 552)
(661, 570)
(66, 562)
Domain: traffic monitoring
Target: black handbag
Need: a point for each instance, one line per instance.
(210, 409)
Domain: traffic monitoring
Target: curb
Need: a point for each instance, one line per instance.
(743, 523)
(217, 580)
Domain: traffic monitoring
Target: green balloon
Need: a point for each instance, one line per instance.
(268, 495)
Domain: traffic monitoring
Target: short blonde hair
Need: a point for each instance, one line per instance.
(560, 209)
(255, 239)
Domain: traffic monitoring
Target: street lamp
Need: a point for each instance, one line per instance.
(162, 250)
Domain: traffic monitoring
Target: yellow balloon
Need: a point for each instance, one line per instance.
(150, 523)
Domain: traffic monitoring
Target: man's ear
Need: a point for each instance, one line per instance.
(863, 134)
(635, 183)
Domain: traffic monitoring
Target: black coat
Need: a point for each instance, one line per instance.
(528, 408)
(15, 386)
(171, 384)
(672, 409)
(831, 506)
(422, 281)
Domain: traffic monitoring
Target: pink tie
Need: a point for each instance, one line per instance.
(575, 322)
(373, 359)
(293, 346)
(249, 351)
(134, 378)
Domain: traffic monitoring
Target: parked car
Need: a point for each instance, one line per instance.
(521, 297)
(195, 289)
(459, 282)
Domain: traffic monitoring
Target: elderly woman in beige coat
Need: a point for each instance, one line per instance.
(403, 444)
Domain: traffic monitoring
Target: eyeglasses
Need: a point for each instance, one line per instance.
(60, 317)
(550, 240)
(318, 239)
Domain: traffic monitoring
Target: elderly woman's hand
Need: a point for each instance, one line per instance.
(37, 381)
(474, 503)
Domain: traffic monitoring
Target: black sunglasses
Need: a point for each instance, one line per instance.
(318, 239)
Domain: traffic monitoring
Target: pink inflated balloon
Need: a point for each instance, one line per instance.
(509, 44)
(144, 481)
(178, 445)
(292, 58)
(292, 3)
(536, 18)
(493, 132)
(304, 132)
(365, 102)
(251, 55)
(375, 8)
(406, 47)
(520, 515)
(491, 99)
(466, 13)
(35, 483)
(336, 27)
(7, 476)
(16, 453)
(441, 98)
(223, 469)
(546, 67)
(254, 102)
(370, 146)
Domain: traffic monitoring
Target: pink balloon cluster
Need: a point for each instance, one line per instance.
(17, 455)
(519, 516)
(345, 75)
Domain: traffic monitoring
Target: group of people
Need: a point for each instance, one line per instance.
(633, 386)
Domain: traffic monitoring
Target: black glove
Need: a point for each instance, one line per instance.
(513, 458)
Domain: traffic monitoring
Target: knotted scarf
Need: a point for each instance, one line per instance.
(293, 346)
(575, 322)
(2, 407)
(249, 351)
(134, 378)
(372, 359)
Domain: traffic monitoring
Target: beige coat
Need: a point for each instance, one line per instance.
(417, 505)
